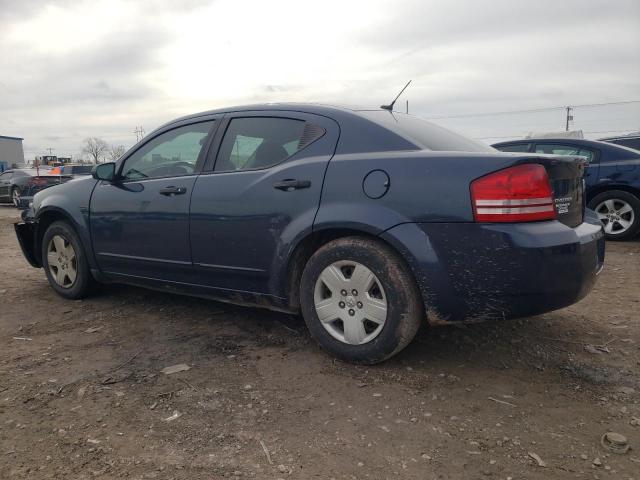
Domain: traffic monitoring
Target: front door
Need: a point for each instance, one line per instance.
(140, 222)
(261, 195)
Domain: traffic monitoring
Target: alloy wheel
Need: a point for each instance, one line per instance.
(16, 198)
(350, 302)
(61, 259)
(616, 215)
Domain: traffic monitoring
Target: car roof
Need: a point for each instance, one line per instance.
(309, 107)
(568, 141)
(327, 110)
(631, 136)
(619, 151)
(361, 129)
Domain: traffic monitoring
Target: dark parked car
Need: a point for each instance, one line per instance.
(629, 141)
(612, 179)
(18, 186)
(76, 170)
(366, 222)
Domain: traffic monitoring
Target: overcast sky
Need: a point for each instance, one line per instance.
(73, 69)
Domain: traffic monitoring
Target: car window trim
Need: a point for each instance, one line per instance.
(202, 156)
(212, 158)
(517, 144)
(226, 128)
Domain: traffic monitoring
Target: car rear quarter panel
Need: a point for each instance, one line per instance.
(423, 187)
(427, 216)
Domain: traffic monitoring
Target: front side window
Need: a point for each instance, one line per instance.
(170, 154)
(557, 149)
(258, 142)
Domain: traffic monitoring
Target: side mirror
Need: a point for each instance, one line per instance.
(104, 171)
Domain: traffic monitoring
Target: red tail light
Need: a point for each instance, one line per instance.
(515, 194)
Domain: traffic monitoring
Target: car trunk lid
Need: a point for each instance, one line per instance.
(566, 176)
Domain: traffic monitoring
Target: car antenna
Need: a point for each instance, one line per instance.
(390, 106)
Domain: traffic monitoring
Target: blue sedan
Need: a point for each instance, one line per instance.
(612, 179)
(367, 222)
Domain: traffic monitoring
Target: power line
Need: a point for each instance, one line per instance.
(532, 110)
(488, 114)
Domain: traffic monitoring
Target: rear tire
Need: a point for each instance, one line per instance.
(65, 262)
(619, 212)
(381, 311)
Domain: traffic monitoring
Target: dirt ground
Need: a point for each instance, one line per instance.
(82, 394)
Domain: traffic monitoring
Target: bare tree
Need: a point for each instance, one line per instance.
(116, 151)
(96, 148)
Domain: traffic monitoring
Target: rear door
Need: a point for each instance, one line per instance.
(140, 223)
(260, 192)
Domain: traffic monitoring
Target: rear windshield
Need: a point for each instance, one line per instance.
(426, 134)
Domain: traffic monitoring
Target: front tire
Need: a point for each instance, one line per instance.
(65, 262)
(15, 197)
(619, 212)
(359, 300)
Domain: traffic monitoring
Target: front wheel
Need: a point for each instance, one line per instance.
(15, 197)
(619, 212)
(65, 262)
(359, 300)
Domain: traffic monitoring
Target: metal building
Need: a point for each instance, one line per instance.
(11, 152)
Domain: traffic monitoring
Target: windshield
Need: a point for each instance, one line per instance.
(426, 134)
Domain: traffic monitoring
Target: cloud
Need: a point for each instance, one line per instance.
(73, 69)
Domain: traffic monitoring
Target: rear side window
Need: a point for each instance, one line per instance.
(520, 147)
(558, 149)
(259, 142)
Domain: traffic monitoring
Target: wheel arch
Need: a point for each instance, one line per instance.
(597, 190)
(309, 244)
(47, 217)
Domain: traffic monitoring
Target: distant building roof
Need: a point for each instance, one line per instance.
(11, 138)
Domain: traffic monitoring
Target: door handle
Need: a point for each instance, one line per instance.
(290, 184)
(171, 190)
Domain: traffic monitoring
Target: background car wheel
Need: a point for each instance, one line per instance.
(619, 212)
(15, 197)
(65, 262)
(359, 300)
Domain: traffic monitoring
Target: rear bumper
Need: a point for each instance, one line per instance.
(472, 272)
(26, 233)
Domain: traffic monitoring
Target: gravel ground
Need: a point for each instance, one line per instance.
(82, 393)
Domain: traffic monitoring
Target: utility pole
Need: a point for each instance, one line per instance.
(407, 106)
(569, 118)
(139, 131)
(50, 150)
